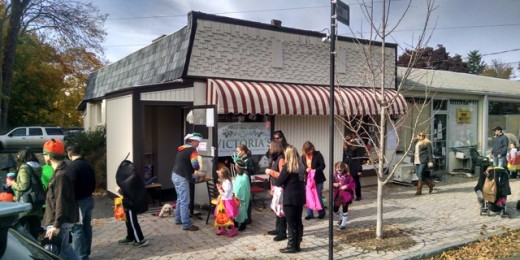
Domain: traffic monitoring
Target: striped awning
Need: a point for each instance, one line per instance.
(253, 97)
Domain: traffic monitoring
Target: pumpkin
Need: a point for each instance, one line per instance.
(6, 196)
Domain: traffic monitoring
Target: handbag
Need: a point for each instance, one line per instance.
(119, 210)
(277, 202)
(221, 216)
(489, 190)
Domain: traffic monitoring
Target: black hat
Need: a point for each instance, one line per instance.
(497, 128)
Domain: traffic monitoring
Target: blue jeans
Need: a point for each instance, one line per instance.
(319, 189)
(419, 171)
(500, 162)
(66, 251)
(182, 210)
(82, 233)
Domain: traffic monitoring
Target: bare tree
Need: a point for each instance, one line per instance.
(61, 23)
(377, 81)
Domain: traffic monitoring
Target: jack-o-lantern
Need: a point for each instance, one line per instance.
(5, 196)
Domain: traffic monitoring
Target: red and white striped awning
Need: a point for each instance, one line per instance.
(252, 97)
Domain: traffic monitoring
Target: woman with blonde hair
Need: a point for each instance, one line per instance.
(292, 178)
(423, 158)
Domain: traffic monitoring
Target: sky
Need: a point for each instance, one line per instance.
(461, 26)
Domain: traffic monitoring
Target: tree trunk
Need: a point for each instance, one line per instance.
(379, 205)
(15, 20)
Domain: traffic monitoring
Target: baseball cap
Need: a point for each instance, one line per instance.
(54, 147)
(497, 128)
(193, 136)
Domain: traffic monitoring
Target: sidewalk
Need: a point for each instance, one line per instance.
(448, 217)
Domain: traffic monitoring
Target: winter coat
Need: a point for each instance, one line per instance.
(318, 164)
(60, 203)
(293, 185)
(23, 184)
(500, 144)
(132, 187)
(346, 195)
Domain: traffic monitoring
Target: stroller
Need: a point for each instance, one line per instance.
(492, 189)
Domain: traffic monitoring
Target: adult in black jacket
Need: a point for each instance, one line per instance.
(313, 160)
(135, 201)
(292, 178)
(352, 155)
(276, 154)
(85, 185)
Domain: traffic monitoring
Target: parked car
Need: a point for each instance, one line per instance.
(29, 136)
(17, 245)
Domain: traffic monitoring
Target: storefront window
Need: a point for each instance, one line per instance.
(505, 115)
(462, 128)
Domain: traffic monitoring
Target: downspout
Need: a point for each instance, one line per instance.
(485, 125)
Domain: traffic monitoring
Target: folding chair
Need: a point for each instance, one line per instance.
(212, 196)
(259, 186)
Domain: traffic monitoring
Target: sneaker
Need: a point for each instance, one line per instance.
(178, 223)
(191, 228)
(309, 217)
(143, 243)
(322, 215)
(125, 241)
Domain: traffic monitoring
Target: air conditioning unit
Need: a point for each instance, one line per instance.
(405, 173)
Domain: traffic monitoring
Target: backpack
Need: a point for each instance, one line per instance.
(35, 195)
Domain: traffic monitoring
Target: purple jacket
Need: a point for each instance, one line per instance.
(348, 194)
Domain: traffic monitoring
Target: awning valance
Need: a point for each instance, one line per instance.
(253, 97)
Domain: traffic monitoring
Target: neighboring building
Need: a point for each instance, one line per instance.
(234, 81)
(463, 110)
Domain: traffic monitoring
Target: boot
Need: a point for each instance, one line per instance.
(430, 185)
(222, 231)
(233, 232)
(299, 238)
(291, 244)
(344, 218)
(419, 188)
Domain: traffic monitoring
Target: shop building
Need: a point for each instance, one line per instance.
(235, 81)
(462, 111)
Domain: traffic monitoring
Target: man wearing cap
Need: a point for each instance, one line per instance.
(500, 144)
(61, 210)
(186, 163)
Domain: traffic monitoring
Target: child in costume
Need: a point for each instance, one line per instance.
(242, 191)
(226, 204)
(513, 161)
(344, 187)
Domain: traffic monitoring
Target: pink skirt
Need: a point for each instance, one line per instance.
(231, 208)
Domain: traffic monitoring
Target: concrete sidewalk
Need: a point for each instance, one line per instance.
(448, 217)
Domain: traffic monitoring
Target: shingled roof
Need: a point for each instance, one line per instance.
(160, 62)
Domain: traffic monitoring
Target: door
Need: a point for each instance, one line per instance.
(439, 141)
(203, 119)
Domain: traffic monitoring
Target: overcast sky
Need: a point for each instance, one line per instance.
(491, 27)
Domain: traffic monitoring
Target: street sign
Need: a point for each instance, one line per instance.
(343, 12)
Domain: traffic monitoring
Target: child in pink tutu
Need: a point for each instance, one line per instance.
(226, 198)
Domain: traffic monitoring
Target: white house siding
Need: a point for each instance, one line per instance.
(239, 52)
(179, 95)
(94, 115)
(119, 132)
(298, 129)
